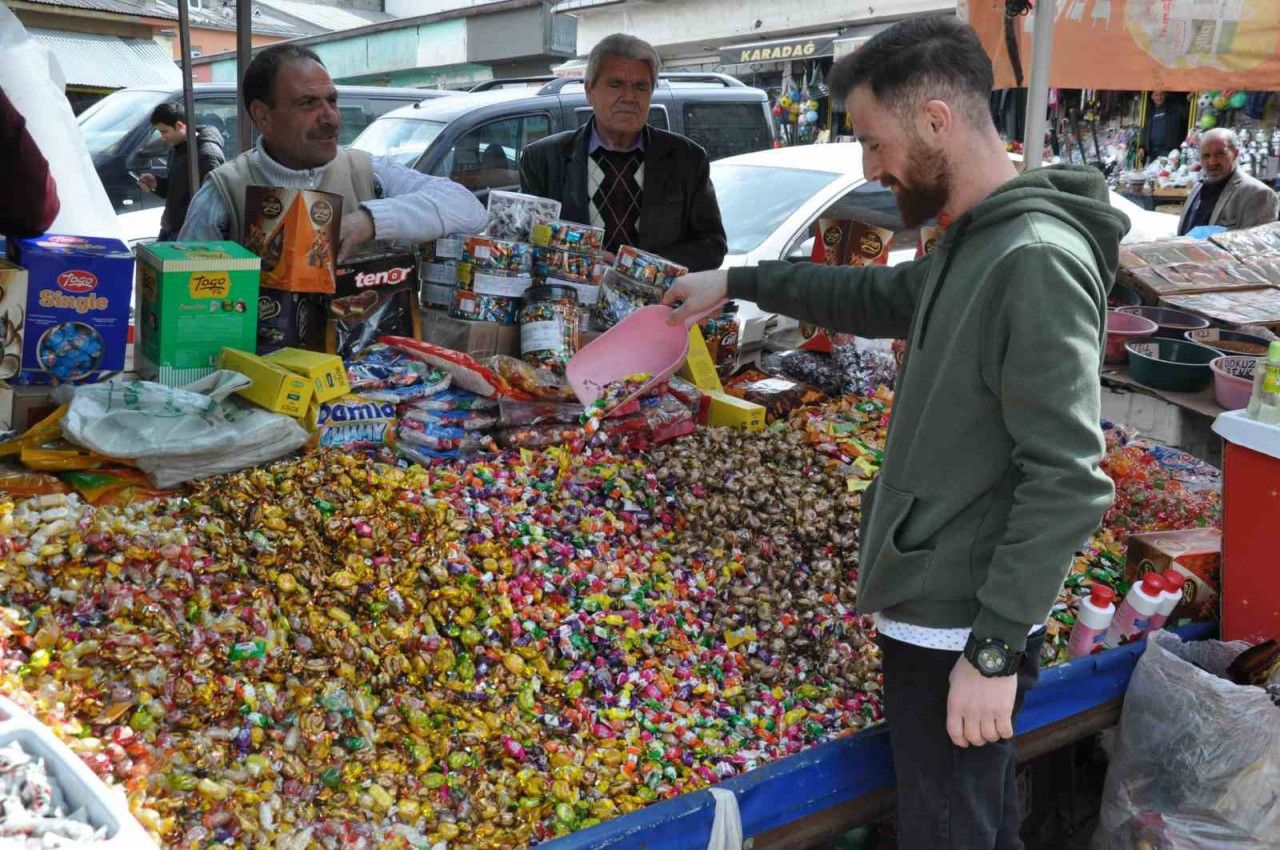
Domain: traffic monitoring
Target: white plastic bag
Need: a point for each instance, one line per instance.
(726, 829)
(33, 82)
(1195, 762)
(177, 435)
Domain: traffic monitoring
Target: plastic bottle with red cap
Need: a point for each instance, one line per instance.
(1169, 600)
(1133, 618)
(1097, 611)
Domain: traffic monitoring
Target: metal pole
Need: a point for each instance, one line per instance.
(1038, 93)
(244, 53)
(188, 94)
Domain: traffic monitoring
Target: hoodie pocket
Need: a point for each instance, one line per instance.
(889, 573)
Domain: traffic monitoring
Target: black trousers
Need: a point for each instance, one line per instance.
(949, 797)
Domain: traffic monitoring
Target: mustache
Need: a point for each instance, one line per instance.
(324, 131)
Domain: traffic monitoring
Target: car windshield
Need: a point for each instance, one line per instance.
(111, 119)
(401, 139)
(755, 200)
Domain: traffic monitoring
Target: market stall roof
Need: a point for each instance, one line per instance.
(1144, 44)
(107, 61)
(118, 7)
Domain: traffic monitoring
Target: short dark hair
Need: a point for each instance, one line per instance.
(260, 77)
(168, 114)
(921, 59)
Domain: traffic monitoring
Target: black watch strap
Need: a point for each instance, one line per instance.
(992, 657)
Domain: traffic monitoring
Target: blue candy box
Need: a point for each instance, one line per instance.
(75, 307)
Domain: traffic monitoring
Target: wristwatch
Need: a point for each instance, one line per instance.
(992, 657)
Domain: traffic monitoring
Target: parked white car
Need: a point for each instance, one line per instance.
(770, 199)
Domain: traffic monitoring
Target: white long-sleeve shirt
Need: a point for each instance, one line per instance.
(409, 206)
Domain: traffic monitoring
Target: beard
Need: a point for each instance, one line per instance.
(926, 187)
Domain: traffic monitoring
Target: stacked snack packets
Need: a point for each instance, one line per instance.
(636, 280)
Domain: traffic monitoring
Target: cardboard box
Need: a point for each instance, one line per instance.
(22, 407)
(290, 320)
(70, 310)
(481, 340)
(730, 412)
(377, 295)
(1195, 553)
(13, 314)
(274, 387)
(194, 299)
(296, 233)
(700, 369)
(326, 372)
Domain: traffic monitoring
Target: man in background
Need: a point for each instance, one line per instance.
(646, 187)
(1166, 127)
(1226, 196)
(175, 187)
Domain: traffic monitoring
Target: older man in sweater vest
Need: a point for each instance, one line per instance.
(294, 104)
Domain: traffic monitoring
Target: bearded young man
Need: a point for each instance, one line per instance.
(991, 478)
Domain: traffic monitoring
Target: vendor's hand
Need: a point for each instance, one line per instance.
(147, 182)
(979, 709)
(696, 294)
(357, 229)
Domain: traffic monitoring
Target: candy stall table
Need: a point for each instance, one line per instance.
(829, 789)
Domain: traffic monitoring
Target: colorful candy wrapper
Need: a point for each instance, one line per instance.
(619, 296)
(455, 399)
(486, 252)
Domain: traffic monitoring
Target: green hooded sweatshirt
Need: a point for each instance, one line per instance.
(990, 481)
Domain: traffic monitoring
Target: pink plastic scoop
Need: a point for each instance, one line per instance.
(641, 343)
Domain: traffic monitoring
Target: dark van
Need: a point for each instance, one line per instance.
(118, 132)
(476, 138)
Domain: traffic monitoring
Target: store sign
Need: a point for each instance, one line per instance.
(783, 50)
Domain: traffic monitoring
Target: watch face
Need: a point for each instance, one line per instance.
(991, 659)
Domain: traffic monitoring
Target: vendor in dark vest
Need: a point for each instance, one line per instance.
(294, 105)
(646, 187)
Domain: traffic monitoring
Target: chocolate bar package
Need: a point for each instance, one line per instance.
(376, 295)
(844, 242)
(296, 232)
(290, 320)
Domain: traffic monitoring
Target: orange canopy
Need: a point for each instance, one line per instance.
(1176, 45)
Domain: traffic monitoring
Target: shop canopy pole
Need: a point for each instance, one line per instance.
(1038, 95)
(244, 52)
(188, 92)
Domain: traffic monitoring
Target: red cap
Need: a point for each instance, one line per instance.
(1153, 584)
(1174, 579)
(1102, 595)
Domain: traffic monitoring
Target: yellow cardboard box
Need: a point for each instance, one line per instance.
(732, 412)
(699, 369)
(274, 387)
(326, 371)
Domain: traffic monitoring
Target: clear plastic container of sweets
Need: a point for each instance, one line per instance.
(549, 326)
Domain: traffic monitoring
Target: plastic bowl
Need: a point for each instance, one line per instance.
(1233, 380)
(1173, 324)
(1238, 343)
(1123, 328)
(1171, 364)
(1123, 296)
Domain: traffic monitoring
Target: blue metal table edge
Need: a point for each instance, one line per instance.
(849, 767)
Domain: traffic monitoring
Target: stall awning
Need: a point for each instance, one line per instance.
(109, 62)
(798, 47)
(854, 37)
(1144, 44)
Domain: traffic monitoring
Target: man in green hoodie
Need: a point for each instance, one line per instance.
(990, 481)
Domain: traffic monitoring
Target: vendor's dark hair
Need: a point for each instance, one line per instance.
(917, 60)
(260, 77)
(168, 114)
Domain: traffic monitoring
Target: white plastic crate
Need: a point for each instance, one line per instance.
(75, 786)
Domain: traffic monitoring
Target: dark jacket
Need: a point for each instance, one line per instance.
(991, 478)
(1165, 130)
(679, 217)
(175, 188)
(1245, 202)
(28, 194)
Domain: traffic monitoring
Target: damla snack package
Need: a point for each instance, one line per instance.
(296, 233)
(194, 298)
(68, 316)
(352, 421)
